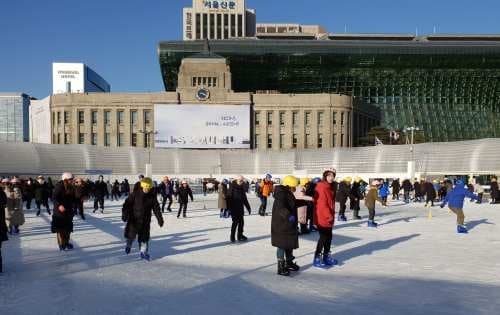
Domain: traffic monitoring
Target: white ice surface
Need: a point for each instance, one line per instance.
(409, 265)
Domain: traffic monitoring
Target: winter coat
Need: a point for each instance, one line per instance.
(116, 188)
(222, 203)
(407, 185)
(266, 187)
(384, 190)
(343, 192)
(494, 190)
(137, 212)
(396, 187)
(28, 191)
(455, 197)
(355, 192)
(418, 189)
(63, 221)
(237, 199)
(184, 193)
(429, 190)
(41, 191)
(166, 189)
(14, 214)
(301, 202)
(3, 225)
(371, 197)
(284, 232)
(324, 205)
(100, 189)
(81, 192)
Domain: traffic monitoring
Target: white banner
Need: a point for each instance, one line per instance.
(202, 126)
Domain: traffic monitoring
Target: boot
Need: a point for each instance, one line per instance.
(329, 260)
(11, 230)
(461, 229)
(242, 238)
(38, 213)
(282, 270)
(291, 266)
(372, 224)
(318, 262)
(48, 211)
(127, 250)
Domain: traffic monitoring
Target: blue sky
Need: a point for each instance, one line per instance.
(118, 38)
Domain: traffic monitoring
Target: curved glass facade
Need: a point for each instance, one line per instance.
(450, 88)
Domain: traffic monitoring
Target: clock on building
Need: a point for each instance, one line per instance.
(203, 94)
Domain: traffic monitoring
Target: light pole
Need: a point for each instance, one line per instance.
(148, 133)
(411, 164)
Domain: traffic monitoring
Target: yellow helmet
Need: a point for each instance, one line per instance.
(358, 179)
(348, 180)
(290, 181)
(147, 183)
(304, 181)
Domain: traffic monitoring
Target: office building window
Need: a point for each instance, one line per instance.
(320, 140)
(119, 140)
(233, 25)
(334, 140)
(212, 26)
(66, 138)
(81, 117)
(107, 117)
(147, 117)
(133, 140)
(269, 118)
(58, 138)
(59, 118)
(308, 118)
(133, 117)
(81, 138)
(66, 118)
(219, 26)
(257, 118)
(240, 25)
(94, 138)
(198, 26)
(205, 25)
(295, 118)
(342, 140)
(226, 26)
(282, 141)
(308, 141)
(294, 140)
(94, 117)
(256, 140)
(121, 117)
(342, 119)
(269, 141)
(334, 118)
(282, 118)
(320, 118)
(107, 139)
(146, 140)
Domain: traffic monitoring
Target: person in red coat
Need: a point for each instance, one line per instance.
(324, 215)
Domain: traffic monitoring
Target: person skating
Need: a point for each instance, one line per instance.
(236, 200)
(100, 192)
(455, 200)
(81, 195)
(62, 217)
(28, 190)
(185, 193)
(302, 201)
(310, 191)
(355, 197)
(284, 234)
(344, 189)
(479, 189)
(41, 191)
(115, 191)
(324, 217)
(166, 189)
(137, 211)
(495, 193)
(222, 202)
(371, 197)
(430, 193)
(15, 214)
(396, 188)
(384, 193)
(3, 225)
(417, 187)
(266, 188)
(407, 188)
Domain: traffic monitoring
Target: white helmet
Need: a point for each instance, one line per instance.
(67, 175)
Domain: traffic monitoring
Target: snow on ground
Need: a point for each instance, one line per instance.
(409, 265)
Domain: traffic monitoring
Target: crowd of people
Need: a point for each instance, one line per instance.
(301, 206)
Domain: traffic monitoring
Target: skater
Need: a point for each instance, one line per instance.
(266, 187)
(136, 212)
(310, 191)
(115, 191)
(430, 193)
(81, 195)
(479, 189)
(495, 193)
(324, 216)
(355, 196)
(62, 218)
(166, 189)
(418, 191)
(222, 203)
(100, 192)
(41, 191)
(455, 200)
(284, 234)
(371, 197)
(184, 193)
(396, 188)
(14, 212)
(3, 225)
(384, 193)
(342, 195)
(237, 199)
(302, 201)
(28, 192)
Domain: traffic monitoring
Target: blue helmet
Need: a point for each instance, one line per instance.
(316, 180)
(225, 181)
(269, 176)
(460, 183)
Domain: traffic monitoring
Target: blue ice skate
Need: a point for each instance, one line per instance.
(462, 229)
(329, 260)
(319, 263)
(372, 224)
(145, 256)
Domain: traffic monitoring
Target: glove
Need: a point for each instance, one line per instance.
(249, 211)
(160, 223)
(292, 219)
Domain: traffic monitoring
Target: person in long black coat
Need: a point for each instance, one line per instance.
(3, 225)
(41, 189)
(355, 196)
(284, 233)
(184, 193)
(62, 217)
(344, 188)
(396, 187)
(100, 191)
(430, 193)
(495, 193)
(236, 200)
(137, 212)
(407, 188)
(81, 194)
(418, 191)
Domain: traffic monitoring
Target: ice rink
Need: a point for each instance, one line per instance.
(409, 265)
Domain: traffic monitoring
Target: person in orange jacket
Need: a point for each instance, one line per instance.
(266, 188)
(324, 216)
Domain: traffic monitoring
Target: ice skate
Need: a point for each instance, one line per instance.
(319, 263)
(328, 260)
(292, 266)
(372, 224)
(461, 229)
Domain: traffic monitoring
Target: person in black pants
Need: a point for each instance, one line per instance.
(3, 225)
(342, 195)
(184, 192)
(355, 196)
(100, 191)
(41, 192)
(236, 200)
(396, 187)
(166, 190)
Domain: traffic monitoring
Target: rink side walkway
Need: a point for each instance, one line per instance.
(409, 265)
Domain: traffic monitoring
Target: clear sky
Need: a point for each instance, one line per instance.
(118, 38)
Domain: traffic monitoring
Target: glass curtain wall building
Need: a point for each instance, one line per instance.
(14, 117)
(447, 85)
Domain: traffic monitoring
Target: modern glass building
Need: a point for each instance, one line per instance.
(449, 85)
(14, 117)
